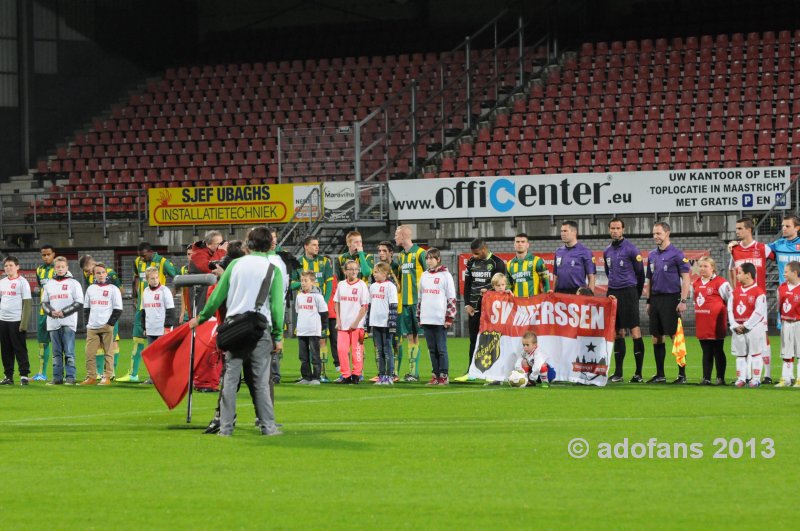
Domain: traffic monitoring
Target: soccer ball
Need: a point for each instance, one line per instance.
(517, 379)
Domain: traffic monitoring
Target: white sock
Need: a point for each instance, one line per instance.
(787, 371)
(767, 366)
(741, 368)
(749, 371)
(757, 364)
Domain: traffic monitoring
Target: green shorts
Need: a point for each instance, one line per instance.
(42, 335)
(138, 330)
(407, 322)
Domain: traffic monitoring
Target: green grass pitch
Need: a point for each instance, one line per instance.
(461, 457)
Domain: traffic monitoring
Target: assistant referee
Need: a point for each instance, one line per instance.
(669, 282)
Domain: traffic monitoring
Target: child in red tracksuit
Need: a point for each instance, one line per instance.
(351, 301)
(711, 293)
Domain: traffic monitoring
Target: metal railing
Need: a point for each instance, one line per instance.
(452, 103)
(307, 215)
(318, 147)
(31, 211)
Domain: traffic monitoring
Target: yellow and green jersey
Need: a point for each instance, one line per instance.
(323, 272)
(44, 274)
(395, 265)
(528, 276)
(165, 269)
(365, 261)
(412, 265)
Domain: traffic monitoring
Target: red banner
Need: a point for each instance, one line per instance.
(550, 314)
(575, 335)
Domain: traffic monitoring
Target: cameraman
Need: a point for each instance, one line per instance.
(205, 258)
(238, 289)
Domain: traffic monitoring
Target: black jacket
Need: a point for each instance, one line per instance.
(479, 276)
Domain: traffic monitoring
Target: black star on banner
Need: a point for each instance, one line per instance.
(590, 347)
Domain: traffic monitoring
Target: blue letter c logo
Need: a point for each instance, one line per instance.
(507, 204)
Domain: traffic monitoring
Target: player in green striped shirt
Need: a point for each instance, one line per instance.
(527, 274)
(323, 273)
(412, 265)
(355, 247)
(44, 274)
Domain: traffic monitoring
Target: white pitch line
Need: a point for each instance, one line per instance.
(280, 404)
(450, 422)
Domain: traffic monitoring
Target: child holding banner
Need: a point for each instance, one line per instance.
(499, 284)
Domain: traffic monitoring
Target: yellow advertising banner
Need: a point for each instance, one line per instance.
(210, 205)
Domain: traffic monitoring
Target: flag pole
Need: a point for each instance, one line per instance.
(191, 360)
(194, 281)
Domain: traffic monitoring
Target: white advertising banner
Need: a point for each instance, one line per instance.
(340, 199)
(574, 194)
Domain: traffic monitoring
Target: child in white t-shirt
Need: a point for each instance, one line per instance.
(383, 320)
(102, 307)
(532, 360)
(312, 319)
(15, 310)
(351, 302)
(158, 306)
(437, 310)
(61, 300)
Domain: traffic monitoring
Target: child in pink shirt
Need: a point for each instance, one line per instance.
(351, 301)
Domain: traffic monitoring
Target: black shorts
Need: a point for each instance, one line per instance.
(567, 291)
(664, 314)
(627, 307)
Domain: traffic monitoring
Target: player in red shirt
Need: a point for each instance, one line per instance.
(747, 250)
(789, 306)
(747, 317)
(710, 296)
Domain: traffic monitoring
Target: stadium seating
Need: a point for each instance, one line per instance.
(709, 101)
(217, 124)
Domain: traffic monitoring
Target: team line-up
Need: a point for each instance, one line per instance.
(396, 298)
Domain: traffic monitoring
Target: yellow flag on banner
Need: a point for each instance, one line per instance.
(679, 345)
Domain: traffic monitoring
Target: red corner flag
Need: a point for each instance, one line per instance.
(167, 359)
